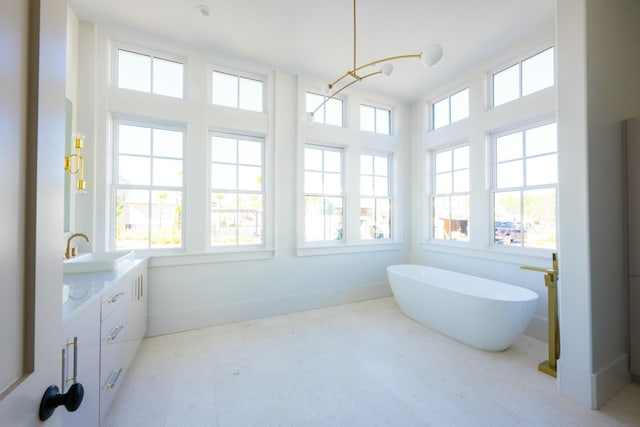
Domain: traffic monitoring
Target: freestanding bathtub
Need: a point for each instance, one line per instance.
(479, 312)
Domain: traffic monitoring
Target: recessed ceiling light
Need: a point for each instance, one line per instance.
(204, 10)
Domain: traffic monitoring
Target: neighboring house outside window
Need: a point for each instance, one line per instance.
(237, 190)
(525, 187)
(148, 186)
(450, 193)
(375, 197)
(323, 193)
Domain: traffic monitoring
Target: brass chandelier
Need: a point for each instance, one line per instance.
(430, 57)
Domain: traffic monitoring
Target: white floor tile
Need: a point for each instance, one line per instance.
(362, 364)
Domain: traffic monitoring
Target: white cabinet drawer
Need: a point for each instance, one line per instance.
(114, 297)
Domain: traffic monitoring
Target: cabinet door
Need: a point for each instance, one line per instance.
(138, 311)
(81, 345)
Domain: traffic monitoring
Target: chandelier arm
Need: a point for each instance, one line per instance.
(333, 95)
(391, 58)
(339, 79)
(354, 35)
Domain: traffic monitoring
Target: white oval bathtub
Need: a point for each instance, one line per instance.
(482, 313)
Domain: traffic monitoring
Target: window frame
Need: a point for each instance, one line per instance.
(230, 248)
(451, 94)
(390, 156)
(152, 53)
(376, 108)
(433, 194)
(326, 99)
(238, 74)
(114, 185)
(519, 61)
(343, 195)
(493, 190)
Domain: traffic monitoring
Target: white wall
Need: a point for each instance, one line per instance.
(195, 288)
(478, 256)
(598, 87)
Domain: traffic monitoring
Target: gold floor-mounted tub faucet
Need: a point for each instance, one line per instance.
(551, 282)
(71, 252)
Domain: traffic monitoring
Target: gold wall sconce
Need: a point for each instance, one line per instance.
(74, 163)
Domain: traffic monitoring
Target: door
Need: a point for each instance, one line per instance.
(32, 83)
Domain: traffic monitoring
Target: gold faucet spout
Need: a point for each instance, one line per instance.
(541, 270)
(70, 252)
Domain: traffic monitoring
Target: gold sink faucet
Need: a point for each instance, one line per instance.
(71, 252)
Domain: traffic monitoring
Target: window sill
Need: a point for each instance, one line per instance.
(210, 258)
(514, 255)
(349, 249)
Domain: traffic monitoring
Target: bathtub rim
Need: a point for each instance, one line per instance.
(474, 291)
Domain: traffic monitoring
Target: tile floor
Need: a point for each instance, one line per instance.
(361, 364)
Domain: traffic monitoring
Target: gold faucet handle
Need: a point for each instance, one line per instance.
(74, 251)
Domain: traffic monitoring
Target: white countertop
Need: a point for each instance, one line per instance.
(85, 287)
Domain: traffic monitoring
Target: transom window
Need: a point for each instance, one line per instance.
(374, 119)
(148, 186)
(450, 109)
(525, 187)
(323, 193)
(331, 113)
(375, 197)
(236, 91)
(237, 190)
(526, 77)
(148, 73)
(450, 200)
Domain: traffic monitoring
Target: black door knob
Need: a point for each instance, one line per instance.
(52, 398)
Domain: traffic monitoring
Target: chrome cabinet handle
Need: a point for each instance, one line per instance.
(115, 375)
(115, 298)
(114, 334)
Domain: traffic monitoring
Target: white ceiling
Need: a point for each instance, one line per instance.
(313, 37)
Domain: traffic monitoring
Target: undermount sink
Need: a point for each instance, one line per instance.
(95, 262)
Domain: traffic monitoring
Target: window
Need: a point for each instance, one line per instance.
(374, 119)
(525, 187)
(524, 78)
(450, 109)
(375, 199)
(149, 74)
(148, 183)
(323, 190)
(331, 113)
(450, 198)
(235, 91)
(237, 190)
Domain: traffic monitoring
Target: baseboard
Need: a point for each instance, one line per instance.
(574, 382)
(537, 329)
(172, 322)
(609, 381)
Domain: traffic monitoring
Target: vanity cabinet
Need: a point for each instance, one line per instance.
(122, 328)
(110, 326)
